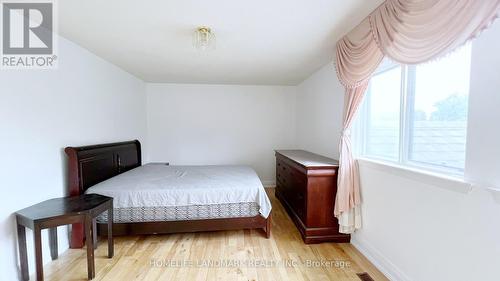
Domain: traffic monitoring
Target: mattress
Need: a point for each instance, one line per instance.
(158, 192)
(177, 213)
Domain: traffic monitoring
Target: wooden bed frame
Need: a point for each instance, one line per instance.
(89, 165)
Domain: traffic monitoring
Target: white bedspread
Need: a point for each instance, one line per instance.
(154, 185)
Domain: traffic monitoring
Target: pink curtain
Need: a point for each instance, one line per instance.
(408, 32)
(348, 201)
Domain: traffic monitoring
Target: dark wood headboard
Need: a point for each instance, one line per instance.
(89, 165)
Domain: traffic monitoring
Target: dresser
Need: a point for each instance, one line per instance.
(306, 184)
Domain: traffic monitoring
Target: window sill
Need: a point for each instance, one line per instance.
(455, 184)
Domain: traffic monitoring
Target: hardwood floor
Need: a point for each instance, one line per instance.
(188, 256)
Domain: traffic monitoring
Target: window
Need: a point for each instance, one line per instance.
(417, 115)
(382, 133)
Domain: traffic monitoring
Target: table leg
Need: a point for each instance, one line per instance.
(54, 252)
(37, 231)
(111, 247)
(23, 255)
(94, 232)
(90, 247)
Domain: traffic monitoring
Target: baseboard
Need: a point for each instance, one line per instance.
(390, 270)
(270, 183)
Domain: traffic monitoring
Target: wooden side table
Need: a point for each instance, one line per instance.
(61, 211)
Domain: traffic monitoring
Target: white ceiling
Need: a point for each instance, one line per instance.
(278, 42)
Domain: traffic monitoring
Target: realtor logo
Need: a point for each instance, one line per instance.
(28, 35)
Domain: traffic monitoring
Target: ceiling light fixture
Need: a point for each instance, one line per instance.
(204, 39)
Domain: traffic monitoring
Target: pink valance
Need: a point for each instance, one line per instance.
(408, 32)
(357, 56)
(411, 32)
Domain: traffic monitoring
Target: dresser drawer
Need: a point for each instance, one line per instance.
(299, 193)
(292, 185)
(282, 169)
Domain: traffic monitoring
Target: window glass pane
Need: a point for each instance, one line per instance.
(382, 111)
(438, 115)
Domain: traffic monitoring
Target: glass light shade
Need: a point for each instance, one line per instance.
(204, 39)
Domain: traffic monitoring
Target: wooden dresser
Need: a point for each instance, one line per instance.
(306, 184)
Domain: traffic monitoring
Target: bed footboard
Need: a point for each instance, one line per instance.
(165, 227)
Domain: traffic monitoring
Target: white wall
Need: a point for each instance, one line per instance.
(420, 229)
(319, 108)
(220, 124)
(85, 101)
(483, 149)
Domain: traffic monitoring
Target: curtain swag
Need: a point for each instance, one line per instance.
(407, 32)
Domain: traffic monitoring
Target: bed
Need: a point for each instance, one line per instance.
(158, 198)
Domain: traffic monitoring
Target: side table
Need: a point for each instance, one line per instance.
(61, 211)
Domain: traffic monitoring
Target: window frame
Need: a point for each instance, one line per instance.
(406, 112)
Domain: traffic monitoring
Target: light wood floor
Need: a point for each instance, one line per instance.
(282, 257)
